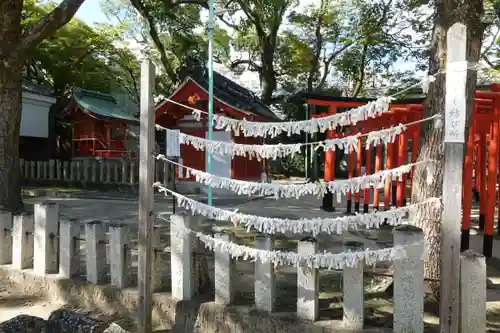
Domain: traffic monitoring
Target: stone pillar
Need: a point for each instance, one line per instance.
(472, 292)
(45, 168)
(78, 171)
(73, 173)
(69, 248)
(157, 271)
(5, 237)
(225, 269)
(52, 164)
(27, 169)
(95, 239)
(119, 255)
(39, 169)
(45, 239)
(86, 167)
(124, 171)
(66, 171)
(132, 173)
(33, 170)
(109, 171)
(58, 170)
(116, 172)
(102, 171)
(166, 174)
(265, 277)
(22, 241)
(182, 257)
(409, 281)
(158, 170)
(307, 283)
(353, 294)
(93, 167)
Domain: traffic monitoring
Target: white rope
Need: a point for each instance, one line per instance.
(374, 138)
(315, 226)
(319, 188)
(318, 260)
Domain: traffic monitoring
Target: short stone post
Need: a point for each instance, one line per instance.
(58, 170)
(124, 171)
(157, 271)
(102, 171)
(45, 168)
(93, 168)
(472, 292)
(182, 257)
(22, 241)
(225, 269)
(66, 171)
(409, 281)
(45, 239)
(95, 239)
(119, 255)
(73, 173)
(52, 164)
(69, 248)
(86, 167)
(307, 282)
(132, 173)
(39, 169)
(265, 277)
(21, 167)
(78, 171)
(116, 172)
(33, 170)
(353, 294)
(5, 237)
(109, 171)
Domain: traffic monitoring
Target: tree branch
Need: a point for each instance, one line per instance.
(252, 65)
(34, 33)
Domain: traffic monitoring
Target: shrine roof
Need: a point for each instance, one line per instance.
(231, 93)
(329, 98)
(100, 105)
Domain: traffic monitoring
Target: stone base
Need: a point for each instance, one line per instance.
(179, 316)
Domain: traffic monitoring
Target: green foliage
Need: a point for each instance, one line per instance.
(94, 58)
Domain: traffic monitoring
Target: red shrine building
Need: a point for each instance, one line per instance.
(99, 125)
(231, 100)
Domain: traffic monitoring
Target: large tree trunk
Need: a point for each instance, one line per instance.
(428, 179)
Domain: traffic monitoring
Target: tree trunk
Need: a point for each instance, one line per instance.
(428, 179)
(10, 119)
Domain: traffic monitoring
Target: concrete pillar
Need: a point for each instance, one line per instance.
(307, 283)
(78, 171)
(86, 169)
(58, 170)
(157, 263)
(409, 281)
(109, 172)
(52, 165)
(21, 167)
(225, 270)
(69, 248)
(73, 172)
(33, 170)
(22, 241)
(182, 257)
(353, 294)
(27, 169)
(265, 277)
(5, 237)
(66, 171)
(93, 167)
(117, 172)
(119, 255)
(472, 292)
(46, 243)
(102, 171)
(95, 239)
(45, 170)
(124, 171)
(132, 172)
(39, 170)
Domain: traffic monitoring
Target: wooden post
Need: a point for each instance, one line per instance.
(350, 171)
(146, 198)
(455, 111)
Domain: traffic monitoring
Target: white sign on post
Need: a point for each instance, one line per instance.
(173, 145)
(456, 84)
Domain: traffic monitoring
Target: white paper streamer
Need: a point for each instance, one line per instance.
(315, 226)
(318, 260)
(314, 125)
(319, 188)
